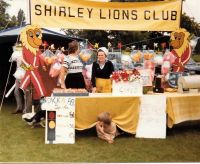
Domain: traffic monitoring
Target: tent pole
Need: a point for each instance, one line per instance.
(29, 11)
(6, 86)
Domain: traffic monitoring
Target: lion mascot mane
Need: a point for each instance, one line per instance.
(181, 49)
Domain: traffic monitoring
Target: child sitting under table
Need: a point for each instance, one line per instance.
(106, 129)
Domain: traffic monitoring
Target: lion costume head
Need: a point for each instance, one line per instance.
(31, 38)
(180, 41)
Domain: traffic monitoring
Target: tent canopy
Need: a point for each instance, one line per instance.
(8, 38)
(10, 35)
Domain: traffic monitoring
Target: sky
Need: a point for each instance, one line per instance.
(191, 7)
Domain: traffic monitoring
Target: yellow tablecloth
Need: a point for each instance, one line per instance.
(182, 107)
(124, 111)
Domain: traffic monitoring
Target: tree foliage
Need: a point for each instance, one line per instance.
(189, 24)
(9, 21)
(4, 17)
(13, 21)
(20, 16)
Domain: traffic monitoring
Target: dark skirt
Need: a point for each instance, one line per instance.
(74, 80)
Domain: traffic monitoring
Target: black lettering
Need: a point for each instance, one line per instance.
(116, 14)
(62, 10)
(47, 10)
(55, 101)
(154, 15)
(90, 12)
(69, 8)
(125, 14)
(173, 15)
(165, 16)
(80, 13)
(38, 8)
(109, 13)
(101, 17)
(134, 14)
(55, 10)
(145, 15)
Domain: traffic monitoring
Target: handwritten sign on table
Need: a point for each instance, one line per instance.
(147, 76)
(152, 118)
(60, 120)
(134, 88)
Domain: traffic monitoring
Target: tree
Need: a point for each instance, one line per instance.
(4, 17)
(95, 36)
(71, 32)
(190, 25)
(20, 16)
(13, 21)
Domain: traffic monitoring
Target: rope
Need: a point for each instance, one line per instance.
(134, 42)
(9, 74)
(6, 86)
(142, 41)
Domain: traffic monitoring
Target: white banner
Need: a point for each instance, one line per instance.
(152, 118)
(60, 120)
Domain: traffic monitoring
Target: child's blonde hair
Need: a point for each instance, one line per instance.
(105, 117)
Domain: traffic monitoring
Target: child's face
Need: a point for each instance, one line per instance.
(105, 126)
(101, 123)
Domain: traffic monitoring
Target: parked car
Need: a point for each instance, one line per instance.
(192, 67)
(173, 78)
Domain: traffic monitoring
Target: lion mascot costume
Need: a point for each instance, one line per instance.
(31, 38)
(181, 49)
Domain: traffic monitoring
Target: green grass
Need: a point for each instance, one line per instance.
(20, 143)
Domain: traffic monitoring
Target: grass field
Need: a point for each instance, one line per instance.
(20, 143)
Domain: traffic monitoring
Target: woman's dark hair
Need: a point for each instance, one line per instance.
(73, 47)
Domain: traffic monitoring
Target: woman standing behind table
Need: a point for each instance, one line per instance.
(101, 71)
(73, 67)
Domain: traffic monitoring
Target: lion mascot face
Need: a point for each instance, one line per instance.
(181, 49)
(31, 38)
(179, 41)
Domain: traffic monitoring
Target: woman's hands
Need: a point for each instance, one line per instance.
(63, 86)
(94, 89)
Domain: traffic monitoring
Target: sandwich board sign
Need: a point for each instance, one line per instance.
(60, 120)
